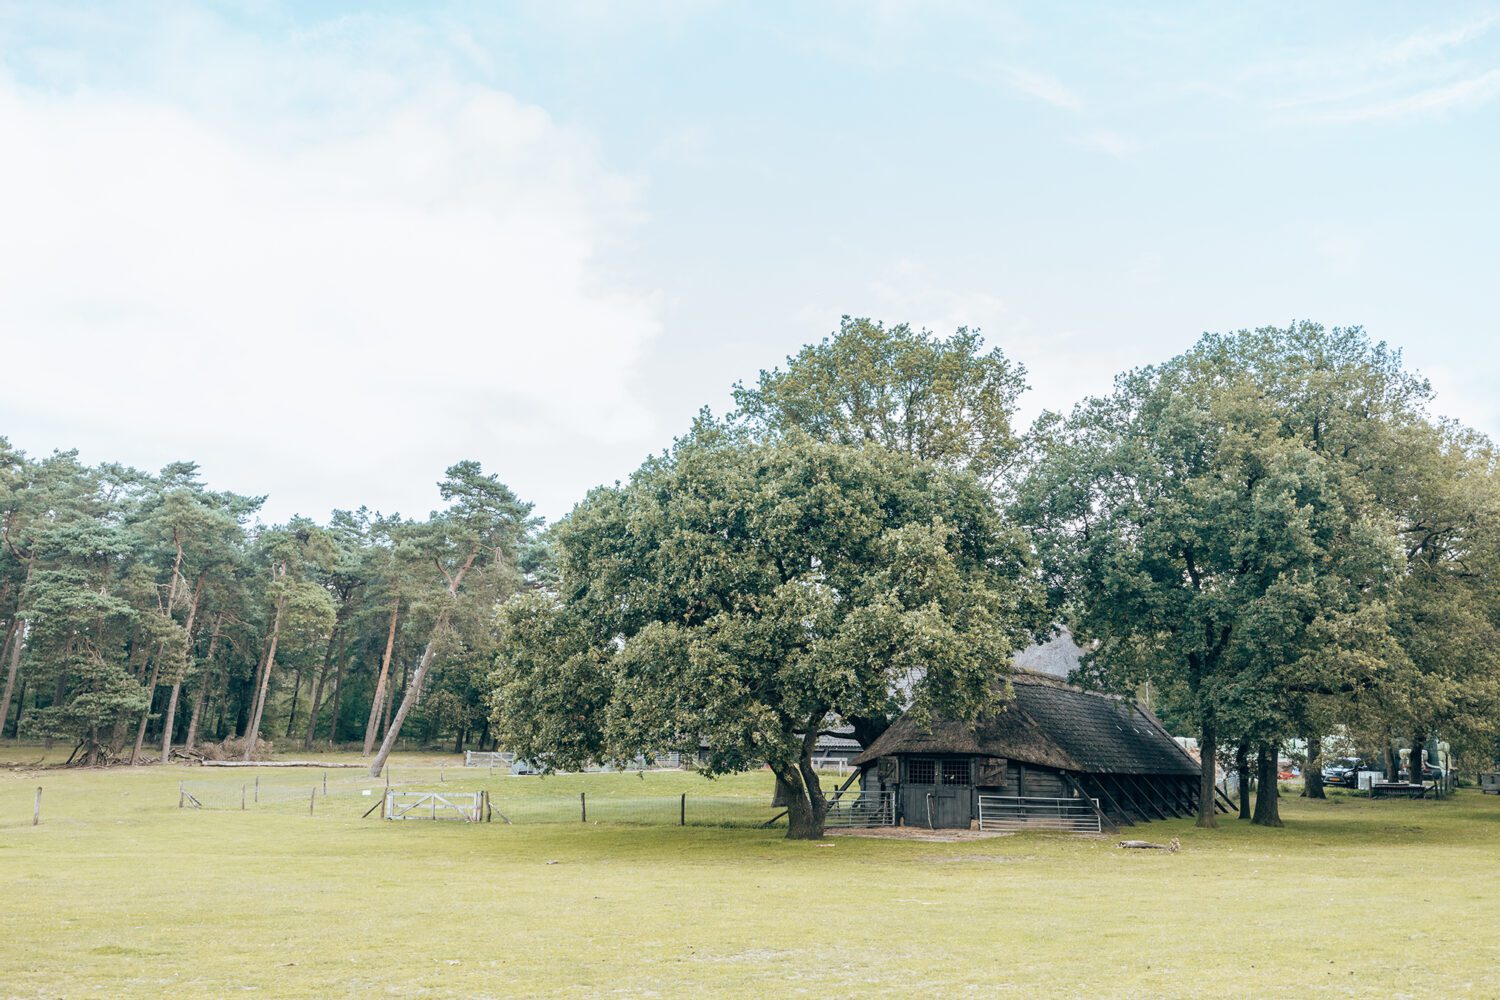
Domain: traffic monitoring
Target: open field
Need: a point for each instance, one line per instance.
(120, 893)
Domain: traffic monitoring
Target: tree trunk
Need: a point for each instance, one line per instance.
(802, 819)
(321, 678)
(18, 634)
(291, 719)
(410, 698)
(18, 637)
(171, 720)
(1208, 749)
(1414, 761)
(1312, 769)
(390, 701)
(338, 694)
(414, 689)
(1242, 770)
(252, 734)
(140, 733)
(204, 682)
(1267, 812)
(20, 707)
(380, 682)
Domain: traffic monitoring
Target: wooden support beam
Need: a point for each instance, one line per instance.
(1178, 791)
(1113, 805)
(1135, 802)
(1143, 794)
(1104, 819)
(1152, 795)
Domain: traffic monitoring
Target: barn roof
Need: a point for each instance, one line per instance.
(1052, 724)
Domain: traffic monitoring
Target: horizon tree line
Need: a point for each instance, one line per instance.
(1269, 529)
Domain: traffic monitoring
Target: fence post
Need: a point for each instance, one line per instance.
(325, 784)
(682, 816)
(442, 773)
(257, 788)
(179, 795)
(36, 807)
(242, 798)
(583, 807)
(311, 798)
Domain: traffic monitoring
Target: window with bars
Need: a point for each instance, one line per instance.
(955, 772)
(937, 772)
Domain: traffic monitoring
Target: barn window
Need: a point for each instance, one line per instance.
(921, 772)
(955, 772)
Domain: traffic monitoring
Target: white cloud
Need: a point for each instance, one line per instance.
(1471, 92)
(399, 274)
(1428, 72)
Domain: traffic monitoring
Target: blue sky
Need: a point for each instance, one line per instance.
(326, 250)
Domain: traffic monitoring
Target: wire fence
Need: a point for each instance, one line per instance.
(517, 800)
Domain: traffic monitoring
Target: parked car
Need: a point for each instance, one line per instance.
(1343, 772)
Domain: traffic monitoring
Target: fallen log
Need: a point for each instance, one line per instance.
(275, 763)
(1172, 846)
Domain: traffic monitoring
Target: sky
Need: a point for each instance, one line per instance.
(326, 250)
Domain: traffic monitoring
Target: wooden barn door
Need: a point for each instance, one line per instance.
(938, 791)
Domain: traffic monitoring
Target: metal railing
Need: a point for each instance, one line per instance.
(856, 808)
(1022, 812)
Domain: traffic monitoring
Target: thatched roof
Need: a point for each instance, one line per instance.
(1052, 724)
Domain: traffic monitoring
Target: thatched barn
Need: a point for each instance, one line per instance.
(1054, 755)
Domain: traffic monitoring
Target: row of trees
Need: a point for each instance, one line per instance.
(145, 612)
(1269, 530)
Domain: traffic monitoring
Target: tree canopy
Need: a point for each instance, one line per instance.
(747, 593)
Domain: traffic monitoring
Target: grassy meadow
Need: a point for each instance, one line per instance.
(120, 893)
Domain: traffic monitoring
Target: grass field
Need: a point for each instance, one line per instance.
(118, 893)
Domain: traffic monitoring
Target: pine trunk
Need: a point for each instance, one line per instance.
(18, 637)
(1267, 810)
(381, 681)
(338, 691)
(17, 634)
(414, 689)
(204, 682)
(140, 733)
(291, 719)
(320, 679)
(252, 734)
(410, 698)
(171, 720)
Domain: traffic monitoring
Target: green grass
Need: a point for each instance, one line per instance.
(119, 893)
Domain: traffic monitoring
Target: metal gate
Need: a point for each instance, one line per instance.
(1021, 812)
(856, 808)
(468, 807)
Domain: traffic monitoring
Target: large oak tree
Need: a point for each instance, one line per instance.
(746, 593)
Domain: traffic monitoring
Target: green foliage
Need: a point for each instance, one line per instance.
(1195, 526)
(943, 400)
(742, 592)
